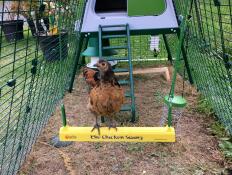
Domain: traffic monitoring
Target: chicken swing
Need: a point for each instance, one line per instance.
(117, 19)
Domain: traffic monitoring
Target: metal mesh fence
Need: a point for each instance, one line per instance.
(209, 51)
(36, 64)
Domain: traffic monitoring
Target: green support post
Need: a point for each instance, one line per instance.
(100, 55)
(63, 115)
(76, 63)
(185, 59)
(181, 35)
(167, 48)
(131, 75)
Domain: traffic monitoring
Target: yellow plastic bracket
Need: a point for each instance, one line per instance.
(123, 134)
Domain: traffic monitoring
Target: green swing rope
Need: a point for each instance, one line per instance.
(183, 26)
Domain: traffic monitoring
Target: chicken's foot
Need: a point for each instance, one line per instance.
(96, 126)
(112, 125)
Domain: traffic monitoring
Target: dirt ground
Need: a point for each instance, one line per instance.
(195, 152)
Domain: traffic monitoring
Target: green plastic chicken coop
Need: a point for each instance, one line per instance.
(112, 19)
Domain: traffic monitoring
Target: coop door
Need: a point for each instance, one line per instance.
(146, 7)
(110, 6)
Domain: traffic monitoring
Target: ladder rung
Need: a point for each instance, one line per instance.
(126, 108)
(127, 94)
(121, 70)
(123, 82)
(114, 47)
(113, 36)
(117, 59)
(110, 26)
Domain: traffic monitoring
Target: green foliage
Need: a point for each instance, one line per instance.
(225, 141)
(218, 130)
(226, 147)
(204, 106)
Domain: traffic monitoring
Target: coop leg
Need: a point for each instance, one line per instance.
(184, 53)
(76, 65)
(167, 48)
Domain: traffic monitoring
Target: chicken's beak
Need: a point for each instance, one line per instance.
(96, 65)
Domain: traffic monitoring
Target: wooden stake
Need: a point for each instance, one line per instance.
(161, 70)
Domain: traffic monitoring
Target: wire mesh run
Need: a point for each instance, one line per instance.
(210, 53)
(38, 41)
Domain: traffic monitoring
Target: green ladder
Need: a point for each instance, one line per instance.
(120, 31)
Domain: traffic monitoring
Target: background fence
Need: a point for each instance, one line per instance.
(35, 69)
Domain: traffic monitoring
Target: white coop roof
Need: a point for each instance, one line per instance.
(93, 18)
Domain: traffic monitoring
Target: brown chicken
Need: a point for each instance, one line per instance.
(91, 77)
(107, 97)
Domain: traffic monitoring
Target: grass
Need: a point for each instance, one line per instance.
(203, 106)
(15, 63)
(26, 107)
(216, 128)
(225, 140)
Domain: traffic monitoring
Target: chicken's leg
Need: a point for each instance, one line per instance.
(96, 126)
(112, 124)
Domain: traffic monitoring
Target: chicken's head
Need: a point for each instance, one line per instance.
(103, 66)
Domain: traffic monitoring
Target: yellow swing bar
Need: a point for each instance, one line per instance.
(123, 134)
